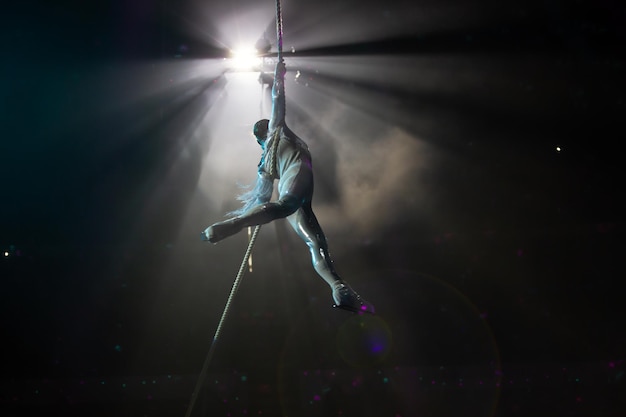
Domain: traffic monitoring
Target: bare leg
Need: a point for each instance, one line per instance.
(304, 222)
(300, 215)
(260, 214)
(308, 228)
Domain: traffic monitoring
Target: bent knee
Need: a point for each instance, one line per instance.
(289, 204)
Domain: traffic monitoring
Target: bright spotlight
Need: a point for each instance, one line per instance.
(245, 59)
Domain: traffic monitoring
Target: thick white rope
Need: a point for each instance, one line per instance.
(233, 291)
(242, 268)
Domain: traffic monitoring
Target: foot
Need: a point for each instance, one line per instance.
(347, 299)
(220, 231)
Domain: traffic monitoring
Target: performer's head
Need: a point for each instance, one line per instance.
(260, 131)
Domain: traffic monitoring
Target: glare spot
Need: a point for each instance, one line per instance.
(244, 59)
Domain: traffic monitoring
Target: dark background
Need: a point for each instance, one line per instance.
(468, 178)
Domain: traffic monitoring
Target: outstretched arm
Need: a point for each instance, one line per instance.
(277, 117)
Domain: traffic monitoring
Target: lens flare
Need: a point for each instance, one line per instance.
(364, 340)
(245, 59)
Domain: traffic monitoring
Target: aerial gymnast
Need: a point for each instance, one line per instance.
(286, 158)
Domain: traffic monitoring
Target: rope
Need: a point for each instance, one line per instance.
(279, 30)
(233, 291)
(276, 138)
(271, 157)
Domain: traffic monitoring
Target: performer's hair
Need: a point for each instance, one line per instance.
(262, 190)
(261, 193)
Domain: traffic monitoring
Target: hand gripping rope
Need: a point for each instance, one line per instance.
(242, 268)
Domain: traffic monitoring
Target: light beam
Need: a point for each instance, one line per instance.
(245, 59)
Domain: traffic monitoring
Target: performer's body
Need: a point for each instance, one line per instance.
(286, 158)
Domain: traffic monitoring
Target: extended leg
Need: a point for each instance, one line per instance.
(261, 214)
(306, 225)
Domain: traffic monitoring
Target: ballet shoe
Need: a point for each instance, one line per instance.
(347, 299)
(221, 230)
